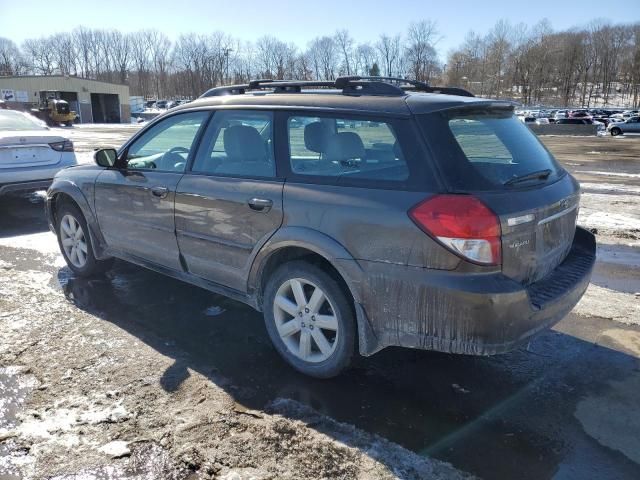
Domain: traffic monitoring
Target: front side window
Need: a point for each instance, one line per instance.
(346, 148)
(237, 143)
(166, 145)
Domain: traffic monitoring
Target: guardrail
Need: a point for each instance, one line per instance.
(552, 129)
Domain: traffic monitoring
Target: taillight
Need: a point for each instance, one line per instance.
(65, 146)
(463, 224)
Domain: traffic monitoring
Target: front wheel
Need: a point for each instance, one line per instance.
(75, 242)
(615, 131)
(310, 319)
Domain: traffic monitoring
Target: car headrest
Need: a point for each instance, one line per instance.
(344, 146)
(315, 136)
(244, 143)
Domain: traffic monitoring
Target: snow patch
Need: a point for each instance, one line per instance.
(610, 187)
(44, 242)
(116, 449)
(611, 174)
(607, 303)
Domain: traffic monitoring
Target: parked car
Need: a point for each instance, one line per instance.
(580, 114)
(30, 154)
(542, 121)
(581, 121)
(392, 217)
(150, 104)
(614, 120)
(631, 125)
(162, 104)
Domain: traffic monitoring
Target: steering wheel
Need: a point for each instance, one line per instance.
(179, 149)
(171, 158)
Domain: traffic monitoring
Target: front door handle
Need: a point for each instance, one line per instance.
(260, 204)
(159, 192)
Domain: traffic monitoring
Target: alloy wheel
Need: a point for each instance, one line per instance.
(73, 241)
(306, 320)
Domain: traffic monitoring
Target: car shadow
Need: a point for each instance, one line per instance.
(508, 416)
(22, 214)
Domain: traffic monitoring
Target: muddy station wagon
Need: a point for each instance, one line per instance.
(355, 214)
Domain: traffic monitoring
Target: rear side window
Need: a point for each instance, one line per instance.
(484, 149)
(346, 148)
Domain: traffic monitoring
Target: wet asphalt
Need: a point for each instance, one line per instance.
(507, 416)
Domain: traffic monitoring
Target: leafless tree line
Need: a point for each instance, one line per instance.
(593, 65)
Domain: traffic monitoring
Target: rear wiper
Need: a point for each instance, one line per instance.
(539, 175)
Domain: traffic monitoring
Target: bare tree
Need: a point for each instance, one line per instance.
(389, 51)
(421, 55)
(345, 43)
(40, 55)
(11, 60)
(324, 57)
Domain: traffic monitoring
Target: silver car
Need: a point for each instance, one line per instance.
(30, 154)
(631, 125)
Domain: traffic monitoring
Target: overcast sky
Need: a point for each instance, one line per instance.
(300, 21)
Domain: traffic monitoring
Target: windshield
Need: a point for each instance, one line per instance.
(482, 149)
(15, 121)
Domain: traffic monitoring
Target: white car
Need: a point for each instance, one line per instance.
(30, 154)
(542, 121)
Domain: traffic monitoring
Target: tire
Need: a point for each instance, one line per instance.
(301, 343)
(615, 131)
(79, 255)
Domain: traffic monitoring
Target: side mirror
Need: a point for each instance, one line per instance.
(105, 157)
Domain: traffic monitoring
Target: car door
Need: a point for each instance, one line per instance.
(632, 125)
(230, 201)
(135, 203)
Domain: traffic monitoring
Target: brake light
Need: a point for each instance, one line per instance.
(65, 146)
(463, 224)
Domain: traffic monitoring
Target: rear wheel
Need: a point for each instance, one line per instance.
(615, 131)
(75, 242)
(310, 319)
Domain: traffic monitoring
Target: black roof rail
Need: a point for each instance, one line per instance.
(413, 85)
(356, 85)
(392, 80)
(446, 91)
(227, 90)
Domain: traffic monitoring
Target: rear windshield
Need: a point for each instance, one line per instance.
(15, 121)
(483, 149)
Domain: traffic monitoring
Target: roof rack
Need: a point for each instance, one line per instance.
(387, 86)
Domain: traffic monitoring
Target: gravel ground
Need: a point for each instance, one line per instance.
(93, 387)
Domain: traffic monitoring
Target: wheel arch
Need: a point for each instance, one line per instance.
(66, 191)
(296, 243)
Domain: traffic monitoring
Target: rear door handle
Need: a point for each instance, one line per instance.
(260, 204)
(159, 192)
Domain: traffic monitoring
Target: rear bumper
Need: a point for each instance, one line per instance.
(34, 177)
(478, 314)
